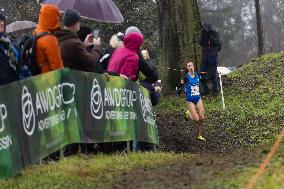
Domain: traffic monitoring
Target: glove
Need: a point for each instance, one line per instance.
(179, 90)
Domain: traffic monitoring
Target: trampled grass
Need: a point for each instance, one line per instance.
(274, 174)
(81, 171)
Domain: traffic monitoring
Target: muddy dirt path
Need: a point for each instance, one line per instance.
(206, 171)
(178, 135)
(214, 158)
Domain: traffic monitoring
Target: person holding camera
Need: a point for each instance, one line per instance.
(77, 55)
(195, 106)
(147, 68)
(211, 45)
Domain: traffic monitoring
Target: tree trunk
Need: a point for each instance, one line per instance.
(259, 28)
(179, 28)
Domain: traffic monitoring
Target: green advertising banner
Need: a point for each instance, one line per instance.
(42, 114)
(10, 150)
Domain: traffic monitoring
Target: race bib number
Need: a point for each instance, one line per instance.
(194, 90)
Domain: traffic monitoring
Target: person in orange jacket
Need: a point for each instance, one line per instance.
(47, 47)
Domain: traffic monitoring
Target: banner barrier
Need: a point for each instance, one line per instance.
(42, 114)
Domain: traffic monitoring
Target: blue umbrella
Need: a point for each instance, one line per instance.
(101, 10)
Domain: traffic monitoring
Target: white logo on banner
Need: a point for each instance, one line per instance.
(143, 106)
(147, 111)
(5, 141)
(3, 116)
(96, 101)
(28, 112)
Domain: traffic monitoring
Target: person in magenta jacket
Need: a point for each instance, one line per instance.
(124, 60)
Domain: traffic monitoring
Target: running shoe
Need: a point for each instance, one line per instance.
(201, 138)
(186, 115)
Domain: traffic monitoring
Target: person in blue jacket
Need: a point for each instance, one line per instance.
(195, 106)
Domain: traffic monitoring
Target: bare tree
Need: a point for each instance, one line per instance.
(277, 10)
(259, 28)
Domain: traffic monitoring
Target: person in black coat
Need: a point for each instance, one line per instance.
(148, 70)
(154, 90)
(153, 85)
(8, 56)
(211, 45)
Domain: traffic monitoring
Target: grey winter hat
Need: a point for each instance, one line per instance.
(70, 17)
(132, 29)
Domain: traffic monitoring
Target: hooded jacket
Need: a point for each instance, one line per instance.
(47, 48)
(205, 40)
(125, 60)
(8, 60)
(74, 54)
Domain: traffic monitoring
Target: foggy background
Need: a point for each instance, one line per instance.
(235, 21)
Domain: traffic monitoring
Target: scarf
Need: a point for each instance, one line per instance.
(7, 48)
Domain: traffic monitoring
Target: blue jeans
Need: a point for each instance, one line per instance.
(136, 146)
(209, 65)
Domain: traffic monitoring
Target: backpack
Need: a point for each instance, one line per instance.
(215, 39)
(28, 65)
(8, 74)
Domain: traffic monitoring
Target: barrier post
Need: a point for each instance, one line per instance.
(222, 92)
(61, 151)
(128, 146)
(154, 147)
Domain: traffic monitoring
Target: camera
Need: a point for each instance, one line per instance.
(96, 33)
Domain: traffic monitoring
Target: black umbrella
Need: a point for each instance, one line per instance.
(102, 10)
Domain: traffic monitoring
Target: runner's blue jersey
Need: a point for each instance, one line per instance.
(191, 85)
